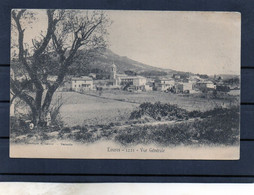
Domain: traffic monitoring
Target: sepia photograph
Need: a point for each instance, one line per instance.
(118, 84)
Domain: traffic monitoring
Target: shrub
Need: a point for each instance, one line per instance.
(56, 119)
(217, 126)
(159, 111)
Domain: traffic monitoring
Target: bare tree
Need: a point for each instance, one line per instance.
(69, 36)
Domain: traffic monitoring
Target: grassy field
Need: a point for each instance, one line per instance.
(93, 108)
(161, 124)
(89, 118)
(80, 109)
(188, 102)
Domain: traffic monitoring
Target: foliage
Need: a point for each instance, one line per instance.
(218, 126)
(56, 119)
(55, 51)
(232, 81)
(130, 73)
(203, 76)
(150, 124)
(159, 111)
(152, 73)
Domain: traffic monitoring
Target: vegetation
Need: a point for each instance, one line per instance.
(52, 53)
(232, 81)
(203, 76)
(159, 111)
(130, 73)
(161, 124)
(217, 126)
(214, 130)
(152, 73)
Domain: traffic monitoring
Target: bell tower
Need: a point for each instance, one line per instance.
(113, 72)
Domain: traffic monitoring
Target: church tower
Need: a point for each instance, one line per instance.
(113, 72)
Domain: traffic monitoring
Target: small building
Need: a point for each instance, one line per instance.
(164, 84)
(210, 85)
(179, 88)
(204, 85)
(80, 84)
(139, 81)
(148, 86)
(130, 80)
(188, 87)
(176, 76)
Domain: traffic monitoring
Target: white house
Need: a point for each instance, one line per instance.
(210, 85)
(204, 85)
(139, 80)
(132, 80)
(148, 87)
(83, 83)
(164, 84)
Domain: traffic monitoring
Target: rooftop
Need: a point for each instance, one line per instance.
(83, 78)
(129, 77)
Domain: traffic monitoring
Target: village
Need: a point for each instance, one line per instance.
(92, 80)
(138, 89)
(177, 83)
(120, 106)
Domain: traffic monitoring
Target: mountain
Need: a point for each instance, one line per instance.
(104, 60)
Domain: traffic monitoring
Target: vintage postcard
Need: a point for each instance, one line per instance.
(111, 84)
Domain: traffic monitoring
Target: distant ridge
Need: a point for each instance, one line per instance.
(105, 59)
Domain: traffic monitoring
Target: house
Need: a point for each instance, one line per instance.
(210, 85)
(148, 86)
(179, 88)
(176, 76)
(80, 84)
(204, 85)
(130, 80)
(164, 84)
(188, 87)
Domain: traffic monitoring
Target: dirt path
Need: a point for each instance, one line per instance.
(154, 123)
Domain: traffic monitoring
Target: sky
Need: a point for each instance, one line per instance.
(198, 42)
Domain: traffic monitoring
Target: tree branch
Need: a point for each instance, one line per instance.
(21, 94)
(51, 28)
(22, 59)
(59, 48)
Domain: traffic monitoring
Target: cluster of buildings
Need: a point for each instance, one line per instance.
(116, 81)
(176, 84)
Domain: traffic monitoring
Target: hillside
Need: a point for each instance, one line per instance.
(104, 60)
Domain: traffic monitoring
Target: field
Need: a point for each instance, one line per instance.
(130, 119)
(93, 108)
(80, 109)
